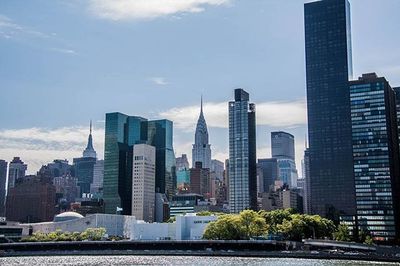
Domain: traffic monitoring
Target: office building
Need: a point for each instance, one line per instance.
(397, 93)
(143, 182)
(217, 167)
(282, 145)
(269, 170)
(57, 168)
(242, 154)
(67, 191)
(96, 188)
(121, 133)
(3, 177)
(16, 171)
(185, 203)
(201, 151)
(160, 135)
(328, 70)
(306, 176)
(282, 148)
(84, 166)
(182, 162)
(376, 157)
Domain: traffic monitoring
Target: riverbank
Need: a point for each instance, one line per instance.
(259, 249)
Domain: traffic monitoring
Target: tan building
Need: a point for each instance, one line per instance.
(143, 182)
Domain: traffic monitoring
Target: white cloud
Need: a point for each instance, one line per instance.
(147, 9)
(38, 146)
(65, 51)
(10, 29)
(274, 114)
(160, 81)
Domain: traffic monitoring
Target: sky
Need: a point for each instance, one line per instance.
(64, 62)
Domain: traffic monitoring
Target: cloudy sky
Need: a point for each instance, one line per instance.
(64, 62)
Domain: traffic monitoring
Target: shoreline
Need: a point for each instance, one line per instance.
(204, 253)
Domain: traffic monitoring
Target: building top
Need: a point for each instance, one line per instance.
(89, 151)
(201, 135)
(241, 95)
(17, 160)
(67, 216)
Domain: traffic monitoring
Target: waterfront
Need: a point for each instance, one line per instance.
(174, 260)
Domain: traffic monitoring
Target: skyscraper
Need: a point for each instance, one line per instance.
(200, 180)
(201, 151)
(282, 145)
(84, 166)
(242, 154)
(121, 133)
(3, 177)
(89, 151)
(328, 69)
(282, 148)
(160, 135)
(16, 171)
(96, 188)
(182, 173)
(143, 182)
(269, 169)
(397, 92)
(376, 157)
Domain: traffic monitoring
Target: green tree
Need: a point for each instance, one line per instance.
(226, 227)
(342, 233)
(276, 217)
(253, 223)
(368, 240)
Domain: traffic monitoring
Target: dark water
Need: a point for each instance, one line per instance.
(174, 260)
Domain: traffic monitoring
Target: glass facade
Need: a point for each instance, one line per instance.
(84, 172)
(242, 157)
(121, 132)
(376, 156)
(269, 168)
(328, 68)
(160, 135)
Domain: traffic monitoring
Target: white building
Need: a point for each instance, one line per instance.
(115, 225)
(98, 177)
(187, 227)
(143, 182)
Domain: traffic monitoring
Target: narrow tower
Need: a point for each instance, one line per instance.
(201, 151)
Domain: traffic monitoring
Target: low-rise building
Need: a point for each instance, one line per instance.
(186, 227)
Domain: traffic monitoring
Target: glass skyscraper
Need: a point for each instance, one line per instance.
(242, 154)
(160, 135)
(121, 133)
(328, 69)
(376, 157)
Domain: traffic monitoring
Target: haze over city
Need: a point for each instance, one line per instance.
(66, 62)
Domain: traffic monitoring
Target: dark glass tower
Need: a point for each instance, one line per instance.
(160, 135)
(328, 69)
(376, 157)
(397, 93)
(121, 133)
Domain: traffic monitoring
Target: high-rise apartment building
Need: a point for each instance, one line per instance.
(16, 171)
(201, 151)
(328, 69)
(242, 153)
(143, 182)
(3, 177)
(376, 157)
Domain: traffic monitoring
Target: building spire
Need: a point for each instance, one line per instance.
(89, 151)
(201, 104)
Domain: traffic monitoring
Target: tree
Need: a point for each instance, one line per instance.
(253, 223)
(342, 233)
(276, 217)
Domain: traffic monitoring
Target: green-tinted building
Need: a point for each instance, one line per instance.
(121, 133)
(160, 133)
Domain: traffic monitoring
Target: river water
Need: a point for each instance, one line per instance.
(174, 260)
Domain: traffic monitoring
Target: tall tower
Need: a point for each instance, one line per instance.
(201, 151)
(242, 153)
(328, 69)
(89, 151)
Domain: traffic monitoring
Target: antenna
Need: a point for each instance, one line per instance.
(90, 126)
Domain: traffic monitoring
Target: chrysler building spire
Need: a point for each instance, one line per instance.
(201, 151)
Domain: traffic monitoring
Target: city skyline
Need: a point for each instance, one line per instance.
(38, 137)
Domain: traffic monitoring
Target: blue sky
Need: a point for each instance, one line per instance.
(64, 62)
